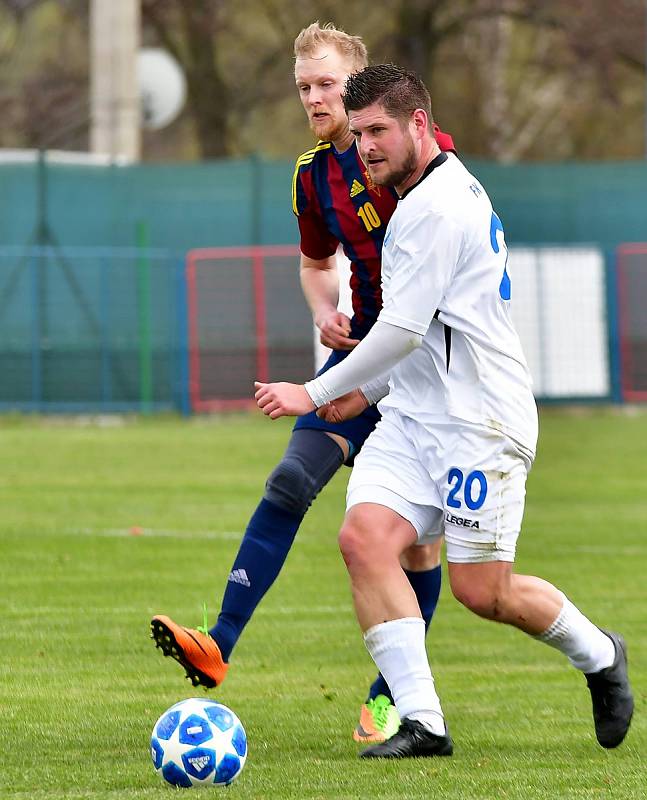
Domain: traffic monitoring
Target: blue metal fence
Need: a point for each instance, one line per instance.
(92, 329)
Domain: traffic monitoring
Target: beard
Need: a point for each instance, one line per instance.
(405, 168)
(327, 130)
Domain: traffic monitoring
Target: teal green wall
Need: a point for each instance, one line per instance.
(78, 328)
(246, 201)
(605, 203)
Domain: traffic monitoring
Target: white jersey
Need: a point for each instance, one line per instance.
(444, 276)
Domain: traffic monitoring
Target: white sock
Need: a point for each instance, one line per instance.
(398, 649)
(587, 648)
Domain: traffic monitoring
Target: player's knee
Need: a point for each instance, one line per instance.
(481, 600)
(310, 461)
(360, 539)
(353, 546)
(365, 546)
(291, 486)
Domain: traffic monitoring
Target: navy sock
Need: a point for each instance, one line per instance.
(261, 555)
(426, 585)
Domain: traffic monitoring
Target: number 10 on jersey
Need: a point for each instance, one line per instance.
(369, 216)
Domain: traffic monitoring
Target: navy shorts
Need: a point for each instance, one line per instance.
(355, 430)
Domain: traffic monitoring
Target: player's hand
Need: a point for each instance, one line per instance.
(282, 399)
(334, 331)
(345, 407)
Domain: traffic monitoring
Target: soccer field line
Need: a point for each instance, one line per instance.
(234, 536)
(601, 550)
(137, 531)
(304, 609)
(45, 610)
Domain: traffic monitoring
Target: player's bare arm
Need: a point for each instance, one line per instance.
(346, 407)
(384, 346)
(282, 399)
(320, 284)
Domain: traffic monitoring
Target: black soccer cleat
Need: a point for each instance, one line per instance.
(613, 702)
(413, 740)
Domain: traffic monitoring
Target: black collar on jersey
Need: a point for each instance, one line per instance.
(431, 166)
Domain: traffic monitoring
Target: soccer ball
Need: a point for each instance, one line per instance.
(198, 742)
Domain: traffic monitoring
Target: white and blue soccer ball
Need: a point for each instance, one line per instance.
(198, 742)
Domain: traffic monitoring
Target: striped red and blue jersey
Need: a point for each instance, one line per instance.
(337, 203)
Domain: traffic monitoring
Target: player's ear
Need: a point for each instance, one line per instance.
(424, 120)
(420, 122)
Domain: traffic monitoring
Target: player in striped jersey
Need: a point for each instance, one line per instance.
(336, 203)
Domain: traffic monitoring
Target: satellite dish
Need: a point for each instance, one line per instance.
(162, 87)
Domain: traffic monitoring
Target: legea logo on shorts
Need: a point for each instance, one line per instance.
(463, 522)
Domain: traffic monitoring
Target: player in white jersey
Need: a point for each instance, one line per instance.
(458, 428)
(444, 256)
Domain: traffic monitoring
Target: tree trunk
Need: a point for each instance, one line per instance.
(206, 90)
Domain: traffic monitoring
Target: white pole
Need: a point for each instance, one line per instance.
(114, 94)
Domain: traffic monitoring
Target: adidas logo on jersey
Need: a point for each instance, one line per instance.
(239, 576)
(356, 188)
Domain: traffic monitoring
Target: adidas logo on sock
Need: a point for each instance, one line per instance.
(239, 576)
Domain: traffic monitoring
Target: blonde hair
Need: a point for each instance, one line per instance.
(314, 36)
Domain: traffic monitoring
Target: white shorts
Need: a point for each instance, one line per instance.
(461, 479)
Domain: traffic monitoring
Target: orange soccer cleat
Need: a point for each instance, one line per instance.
(378, 720)
(194, 650)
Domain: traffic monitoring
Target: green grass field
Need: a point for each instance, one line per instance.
(82, 684)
